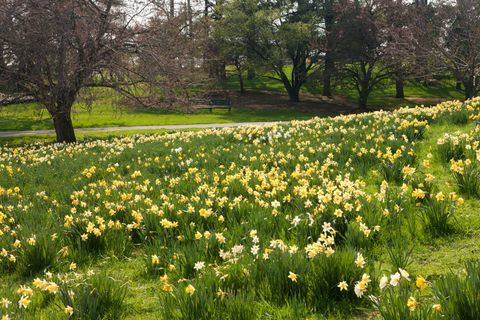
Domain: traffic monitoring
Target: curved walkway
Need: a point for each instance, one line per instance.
(159, 127)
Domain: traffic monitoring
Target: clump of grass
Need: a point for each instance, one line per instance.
(98, 297)
(438, 212)
(204, 304)
(112, 242)
(459, 295)
(274, 272)
(456, 116)
(392, 168)
(413, 129)
(324, 276)
(392, 304)
(452, 146)
(399, 251)
(38, 255)
(467, 177)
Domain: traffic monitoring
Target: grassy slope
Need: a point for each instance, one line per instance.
(438, 256)
(431, 256)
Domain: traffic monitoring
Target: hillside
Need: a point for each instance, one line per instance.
(360, 216)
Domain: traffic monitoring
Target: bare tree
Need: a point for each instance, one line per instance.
(401, 53)
(169, 58)
(369, 43)
(52, 49)
(328, 8)
(454, 37)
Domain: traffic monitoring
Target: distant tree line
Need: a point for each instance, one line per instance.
(159, 53)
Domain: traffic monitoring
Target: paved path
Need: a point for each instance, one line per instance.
(166, 127)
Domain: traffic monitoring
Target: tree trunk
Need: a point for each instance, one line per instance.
(221, 70)
(399, 88)
(189, 18)
(363, 96)
(62, 122)
(329, 59)
(172, 8)
(362, 102)
(251, 74)
(469, 88)
(458, 85)
(242, 85)
(327, 74)
(2, 58)
(294, 94)
(205, 9)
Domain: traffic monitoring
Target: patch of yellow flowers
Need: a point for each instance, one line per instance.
(275, 168)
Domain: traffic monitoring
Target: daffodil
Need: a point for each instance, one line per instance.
(292, 276)
(190, 289)
(23, 302)
(421, 283)
(412, 303)
(155, 259)
(343, 286)
(68, 310)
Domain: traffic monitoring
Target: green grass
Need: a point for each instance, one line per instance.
(383, 95)
(120, 179)
(107, 109)
(439, 256)
(106, 112)
(81, 136)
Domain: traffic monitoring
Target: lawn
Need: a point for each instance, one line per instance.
(369, 216)
(382, 96)
(106, 113)
(107, 109)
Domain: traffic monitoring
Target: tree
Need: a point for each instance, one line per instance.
(232, 53)
(168, 57)
(401, 52)
(368, 43)
(53, 49)
(455, 38)
(232, 49)
(329, 40)
(280, 35)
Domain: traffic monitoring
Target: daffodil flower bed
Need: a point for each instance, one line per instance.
(231, 223)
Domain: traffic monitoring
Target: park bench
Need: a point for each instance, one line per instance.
(224, 103)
